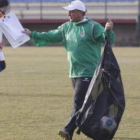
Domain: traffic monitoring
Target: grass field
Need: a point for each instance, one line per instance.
(36, 93)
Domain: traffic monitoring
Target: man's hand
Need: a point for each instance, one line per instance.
(26, 31)
(109, 25)
(1, 46)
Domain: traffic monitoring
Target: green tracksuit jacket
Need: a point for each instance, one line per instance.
(82, 42)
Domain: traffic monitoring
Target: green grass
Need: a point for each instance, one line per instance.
(36, 94)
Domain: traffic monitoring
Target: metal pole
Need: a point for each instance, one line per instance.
(138, 21)
(106, 9)
(41, 8)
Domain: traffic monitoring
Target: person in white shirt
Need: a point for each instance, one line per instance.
(3, 7)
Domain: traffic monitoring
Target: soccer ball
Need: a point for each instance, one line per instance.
(108, 123)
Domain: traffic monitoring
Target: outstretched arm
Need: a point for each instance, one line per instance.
(45, 38)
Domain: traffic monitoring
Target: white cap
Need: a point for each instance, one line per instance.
(76, 4)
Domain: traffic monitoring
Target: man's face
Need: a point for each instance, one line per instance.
(75, 15)
(3, 9)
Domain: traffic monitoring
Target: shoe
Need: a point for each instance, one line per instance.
(64, 134)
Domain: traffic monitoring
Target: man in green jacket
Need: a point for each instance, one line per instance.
(82, 39)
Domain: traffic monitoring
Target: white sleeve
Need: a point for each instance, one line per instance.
(1, 56)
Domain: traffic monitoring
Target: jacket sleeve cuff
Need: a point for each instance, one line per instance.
(32, 34)
(107, 33)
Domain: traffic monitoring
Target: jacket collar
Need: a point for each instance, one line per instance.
(82, 21)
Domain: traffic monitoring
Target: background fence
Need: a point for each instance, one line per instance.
(70, 0)
(97, 9)
(35, 14)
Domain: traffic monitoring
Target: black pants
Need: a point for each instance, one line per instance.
(2, 65)
(80, 86)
